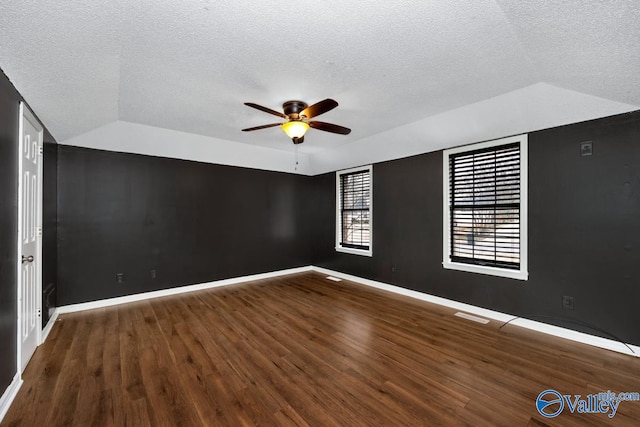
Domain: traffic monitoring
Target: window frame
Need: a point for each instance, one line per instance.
(339, 246)
(522, 273)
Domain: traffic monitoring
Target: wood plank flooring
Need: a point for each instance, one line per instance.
(301, 350)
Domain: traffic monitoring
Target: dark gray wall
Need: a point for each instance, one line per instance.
(49, 228)
(191, 222)
(9, 110)
(584, 231)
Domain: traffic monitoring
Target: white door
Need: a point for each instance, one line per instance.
(30, 231)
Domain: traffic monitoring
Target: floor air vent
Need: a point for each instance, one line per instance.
(472, 318)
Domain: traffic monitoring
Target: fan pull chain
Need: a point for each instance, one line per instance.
(295, 150)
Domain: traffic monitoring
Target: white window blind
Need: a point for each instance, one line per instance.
(485, 206)
(355, 229)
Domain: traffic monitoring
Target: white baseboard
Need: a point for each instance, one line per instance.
(569, 334)
(50, 323)
(72, 308)
(495, 315)
(620, 347)
(631, 350)
(9, 394)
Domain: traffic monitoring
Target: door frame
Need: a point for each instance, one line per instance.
(25, 112)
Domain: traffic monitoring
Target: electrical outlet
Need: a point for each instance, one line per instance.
(567, 302)
(586, 148)
(153, 273)
(119, 277)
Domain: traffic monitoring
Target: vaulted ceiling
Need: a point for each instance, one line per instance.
(188, 65)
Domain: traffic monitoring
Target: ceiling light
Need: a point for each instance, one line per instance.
(295, 128)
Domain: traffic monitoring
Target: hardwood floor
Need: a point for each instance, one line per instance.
(302, 350)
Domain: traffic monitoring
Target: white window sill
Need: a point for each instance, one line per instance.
(493, 271)
(363, 252)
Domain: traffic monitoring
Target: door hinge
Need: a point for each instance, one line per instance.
(41, 150)
(39, 313)
(39, 231)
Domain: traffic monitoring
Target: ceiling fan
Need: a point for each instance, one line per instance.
(297, 115)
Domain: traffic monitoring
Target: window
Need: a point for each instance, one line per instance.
(354, 189)
(485, 208)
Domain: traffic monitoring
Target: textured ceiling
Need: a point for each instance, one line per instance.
(189, 65)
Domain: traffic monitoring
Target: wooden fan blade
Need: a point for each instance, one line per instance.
(265, 109)
(261, 127)
(319, 108)
(330, 127)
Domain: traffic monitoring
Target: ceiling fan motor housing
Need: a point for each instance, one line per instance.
(292, 109)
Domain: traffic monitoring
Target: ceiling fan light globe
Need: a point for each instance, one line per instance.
(295, 128)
